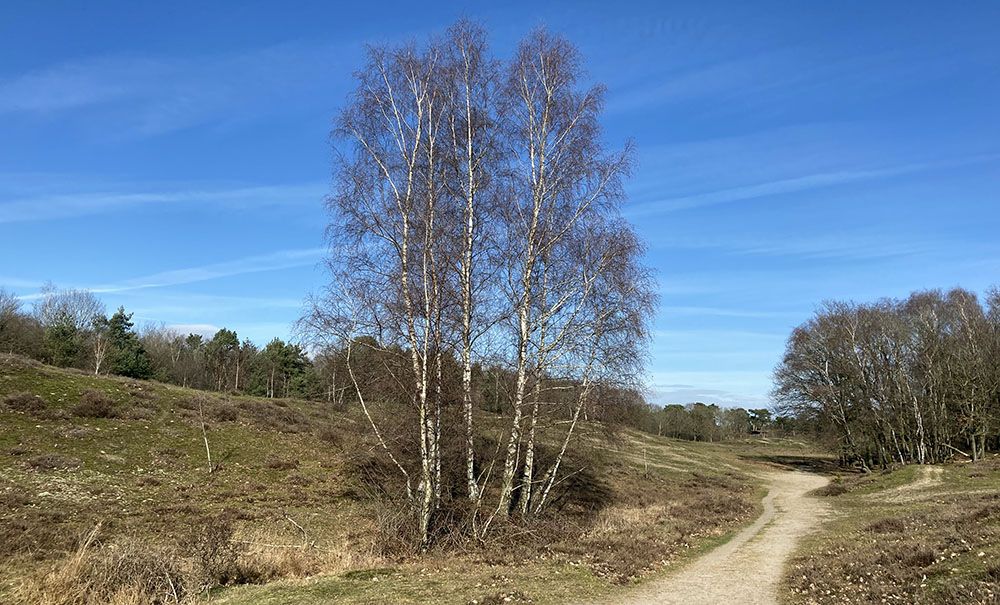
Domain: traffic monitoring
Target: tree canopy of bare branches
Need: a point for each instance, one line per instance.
(475, 222)
(902, 381)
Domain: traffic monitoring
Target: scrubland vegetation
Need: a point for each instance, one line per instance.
(462, 417)
(895, 387)
(106, 497)
(918, 534)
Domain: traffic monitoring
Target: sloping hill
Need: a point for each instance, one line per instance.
(105, 491)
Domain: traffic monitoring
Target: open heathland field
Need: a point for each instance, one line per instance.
(106, 492)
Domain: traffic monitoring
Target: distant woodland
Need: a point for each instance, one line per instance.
(899, 381)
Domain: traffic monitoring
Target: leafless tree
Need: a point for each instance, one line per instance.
(77, 307)
(475, 219)
(562, 178)
(904, 381)
(10, 308)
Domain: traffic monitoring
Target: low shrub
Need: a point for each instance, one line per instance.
(95, 404)
(24, 402)
(140, 413)
(127, 571)
(51, 462)
(281, 464)
(225, 413)
(888, 525)
(831, 489)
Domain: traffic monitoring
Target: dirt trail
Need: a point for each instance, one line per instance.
(747, 569)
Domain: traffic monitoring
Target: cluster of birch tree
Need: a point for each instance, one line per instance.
(900, 381)
(476, 219)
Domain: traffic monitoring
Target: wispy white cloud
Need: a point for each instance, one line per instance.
(174, 303)
(770, 79)
(282, 259)
(129, 95)
(724, 389)
(793, 185)
(673, 310)
(206, 330)
(839, 246)
(18, 283)
(52, 206)
(272, 261)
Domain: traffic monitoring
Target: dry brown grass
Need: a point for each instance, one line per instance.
(132, 571)
(936, 548)
(126, 573)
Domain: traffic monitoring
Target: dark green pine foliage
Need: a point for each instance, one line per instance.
(62, 342)
(128, 357)
(285, 371)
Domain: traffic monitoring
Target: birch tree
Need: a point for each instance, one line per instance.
(475, 221)
(562, 176)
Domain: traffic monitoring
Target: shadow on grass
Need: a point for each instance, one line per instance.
(813, 464)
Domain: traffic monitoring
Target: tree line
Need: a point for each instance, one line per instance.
(71, 328)
(899, 381)
(476, 233)
(710, 422)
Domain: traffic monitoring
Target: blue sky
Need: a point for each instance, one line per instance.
(173, 156)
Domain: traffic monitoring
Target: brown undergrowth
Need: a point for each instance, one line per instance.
(302, 489)
(938, 545)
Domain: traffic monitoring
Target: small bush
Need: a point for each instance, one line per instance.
(280, 464)
(219, 558)
(889, 525)
(13, 500)
(24, 402)
(51, 462)
(140, 413)
(95, 404)
(297, 479)
(922, 557)
(502, 598)
(985, 512)
(225, 413)
(78, 432)
(331, 435)
(993, 573)
(127, 571)
(831, 489)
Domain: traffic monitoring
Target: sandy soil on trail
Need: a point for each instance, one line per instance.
(748, 569)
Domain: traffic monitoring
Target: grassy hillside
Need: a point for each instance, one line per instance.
(919, 534)
(105, 490)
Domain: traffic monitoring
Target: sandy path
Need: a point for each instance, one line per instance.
(747, 569)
